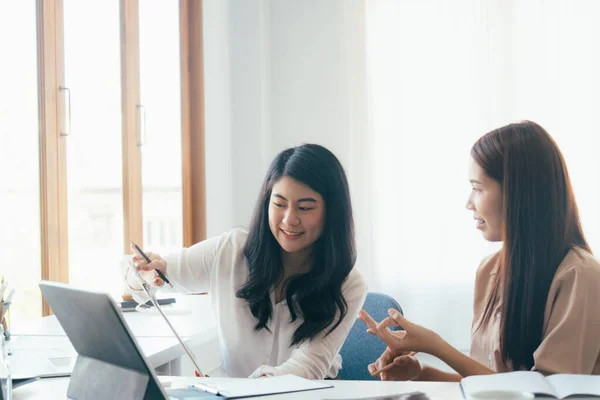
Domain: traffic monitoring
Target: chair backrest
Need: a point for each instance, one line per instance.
(360, 348)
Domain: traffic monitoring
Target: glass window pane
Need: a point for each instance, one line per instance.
(19, 158)
(94, 159)
(160, 88)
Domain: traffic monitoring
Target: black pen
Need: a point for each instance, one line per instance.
(148, 260)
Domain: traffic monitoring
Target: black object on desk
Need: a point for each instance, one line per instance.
(132, 304)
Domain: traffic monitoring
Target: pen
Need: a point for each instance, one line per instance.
(148, 260)
(207, 388)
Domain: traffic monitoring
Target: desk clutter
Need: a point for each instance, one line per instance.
(131, 305)
(5, 376)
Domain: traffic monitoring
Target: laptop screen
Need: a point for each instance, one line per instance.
(98, 331)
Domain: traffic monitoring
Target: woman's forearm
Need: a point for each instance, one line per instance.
(461, 363)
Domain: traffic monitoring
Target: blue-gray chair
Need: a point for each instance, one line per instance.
(360, 348)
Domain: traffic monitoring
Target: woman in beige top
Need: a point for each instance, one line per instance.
(537, 299)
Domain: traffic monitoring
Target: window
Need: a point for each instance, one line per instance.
(73, 128)
(19, 163)
(94, 144)
(160, 110)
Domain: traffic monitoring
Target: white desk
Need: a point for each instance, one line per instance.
(186, 321)
(34, 342)
(57, 388)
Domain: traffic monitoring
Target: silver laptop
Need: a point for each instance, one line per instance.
(110, 363)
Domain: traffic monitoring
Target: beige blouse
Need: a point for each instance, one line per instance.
(571, 335)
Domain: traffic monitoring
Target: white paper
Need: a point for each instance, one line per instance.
(237, 388)
(520, 381)
(27, 367)
(567, 385)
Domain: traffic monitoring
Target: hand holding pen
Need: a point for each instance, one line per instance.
(150, 262)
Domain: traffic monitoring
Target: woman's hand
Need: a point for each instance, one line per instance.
(157, 263)
(404, 368)
(414, 338)
(395, 365)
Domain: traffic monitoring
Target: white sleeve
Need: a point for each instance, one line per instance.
(313, 359)
(189, 270)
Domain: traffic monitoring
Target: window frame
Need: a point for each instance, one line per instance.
(53, 101)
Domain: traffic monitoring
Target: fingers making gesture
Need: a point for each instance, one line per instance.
(414, 338)
(398, 361)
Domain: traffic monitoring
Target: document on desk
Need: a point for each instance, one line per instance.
(240, 388)
(41, 367)
(49, 362)
(402, 396)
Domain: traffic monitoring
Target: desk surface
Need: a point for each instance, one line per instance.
(34, 342)
(57, 388)
(190, 319)
(31, 355)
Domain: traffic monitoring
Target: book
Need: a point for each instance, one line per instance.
(559, 386)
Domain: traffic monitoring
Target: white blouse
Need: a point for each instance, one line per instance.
(218, 266)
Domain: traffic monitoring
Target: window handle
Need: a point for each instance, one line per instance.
(68, 108)
(142, 132)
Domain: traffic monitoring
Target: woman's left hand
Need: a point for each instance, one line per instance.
(414, 338)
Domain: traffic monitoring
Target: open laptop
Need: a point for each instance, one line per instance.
(110, 363)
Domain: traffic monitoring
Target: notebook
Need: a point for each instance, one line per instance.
(559, 386)
(30, 356)
(240, 388)
(400, 396)
(23, 366)
(236, 388)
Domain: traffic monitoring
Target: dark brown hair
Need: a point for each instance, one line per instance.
(541, 224)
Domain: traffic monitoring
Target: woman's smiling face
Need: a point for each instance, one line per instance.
(486, 203)
(296, 214)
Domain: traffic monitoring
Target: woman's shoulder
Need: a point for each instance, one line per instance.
(233, 240)
(489, 264)
(355, 281)
(238, 235)
(578, 263)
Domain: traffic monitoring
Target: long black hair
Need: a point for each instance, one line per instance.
(541, 225)
(317, 295)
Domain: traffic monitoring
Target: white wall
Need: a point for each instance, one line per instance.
(217, 86)
(283, 72)
(279, 74)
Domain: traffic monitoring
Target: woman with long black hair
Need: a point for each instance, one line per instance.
(285, 291)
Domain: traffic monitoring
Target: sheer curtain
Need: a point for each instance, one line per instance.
(440, 74)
